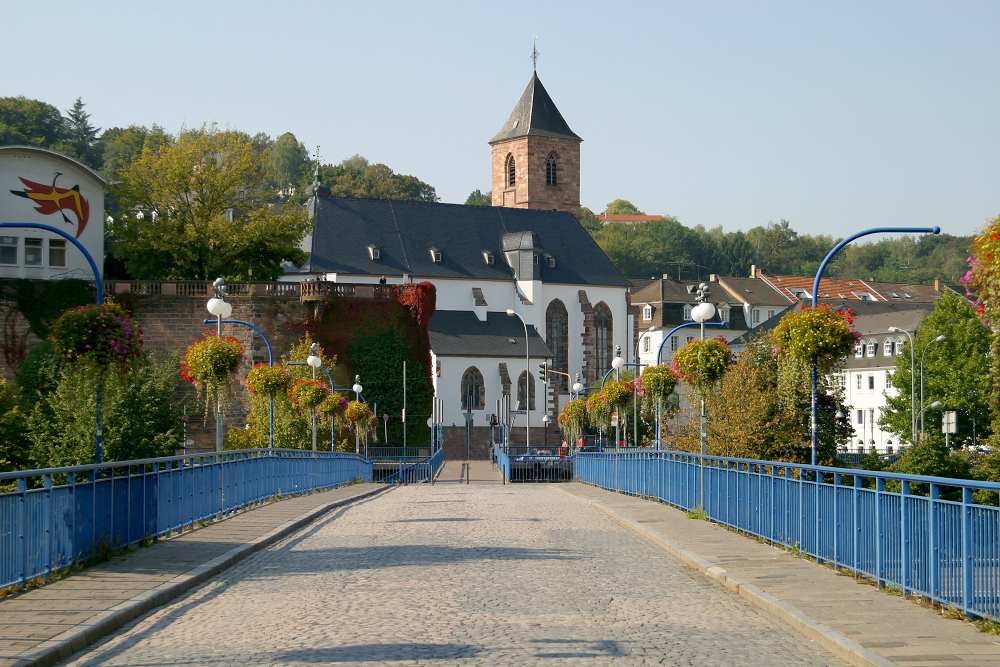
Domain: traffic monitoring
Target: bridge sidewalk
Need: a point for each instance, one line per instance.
(47, 624)
(897, 629)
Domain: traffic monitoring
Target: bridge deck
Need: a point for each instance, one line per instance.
(471, 574)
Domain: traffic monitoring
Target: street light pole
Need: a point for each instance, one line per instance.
(913, 379)
(939, 339)
(357, 397)
(314, 362)
(527, 381)
(617, 364)
(219, 307)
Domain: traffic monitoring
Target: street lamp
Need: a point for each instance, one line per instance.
(913, 378)
(939, 339)
(314, 362)
(577, 387)
(933, 406)
(545, 430)
(527, 382)
(701, 313)
(221, 308)
(357, 388)
(617, 364)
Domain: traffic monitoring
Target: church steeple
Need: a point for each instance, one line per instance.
(536, 156)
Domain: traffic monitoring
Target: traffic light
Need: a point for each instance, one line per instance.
(542, 368)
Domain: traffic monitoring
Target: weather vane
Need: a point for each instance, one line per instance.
(534, 53)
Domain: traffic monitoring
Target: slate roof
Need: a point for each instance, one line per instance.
(911, 292)
(754, 291)
(535, 115)
(667, 290)
(405, 231)
(459, 333)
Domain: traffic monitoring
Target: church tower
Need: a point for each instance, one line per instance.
(536, 157)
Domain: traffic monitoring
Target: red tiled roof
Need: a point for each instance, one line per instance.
(829, 288)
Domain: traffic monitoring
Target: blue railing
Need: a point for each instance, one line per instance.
(415, 471)
(396, 453)
(503, 462)
(59, 516)
(945, 549)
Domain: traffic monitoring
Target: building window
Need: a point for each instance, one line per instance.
(687, 313)
(523, 388)
(645, 344)
(647, 312)
(436, 256)
(511, 171)
(871, 382)
(871, 418)
(900, 342)
(770, 314)
(375, 253)
(887, 347)
(602, 339)
(473, 390)
(551, 169)
(861, 416)
(32, 252)
(858, 376)
(724, 316)
(688, 339)
(871, 348)
(557, 338)
(859, 349)
(57, 253)
(551, 261)
(488, 256)
(8, 250)
(756, 316)
(534, 260)
(673, 343)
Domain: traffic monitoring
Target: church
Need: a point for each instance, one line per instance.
(524, 263)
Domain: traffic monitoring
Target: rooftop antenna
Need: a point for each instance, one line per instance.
(534, 53)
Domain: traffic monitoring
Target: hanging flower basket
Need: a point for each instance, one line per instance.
(102, 334)
(308, 395)
(659, 381)
(821, 334)
(701, 363)
(573, 416)
(334, 402)
(268, 380)
(359, 416)
(209, 362)
(598, 410)
(616, 393)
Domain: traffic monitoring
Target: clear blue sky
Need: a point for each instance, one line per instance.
(836, 116)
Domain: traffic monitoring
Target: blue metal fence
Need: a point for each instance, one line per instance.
(945, 549)
(59, 516)
(414, 471)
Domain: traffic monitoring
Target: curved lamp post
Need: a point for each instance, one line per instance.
(617, 364)
(913, 377)
(527, 381)
(815, 300)
(221, 308)
(933, 406)
(99, 289)
(314, 363)
(577, 387)
(939, 339)
(357, 389)
(332, 389)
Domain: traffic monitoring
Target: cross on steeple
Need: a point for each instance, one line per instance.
(534, 54)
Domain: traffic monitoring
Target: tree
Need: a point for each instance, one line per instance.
(589, 221)
(120, 146)
(81, 135)
(287, 163)
(479, 198)
(197, 208)
(356, 177)
(30, 122)
(622, 207)
(956, 372)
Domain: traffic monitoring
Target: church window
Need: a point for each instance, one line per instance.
(551, 169)
(473, 390)
(526, 386)
(511, 171)
(557, 338)
(602, 339)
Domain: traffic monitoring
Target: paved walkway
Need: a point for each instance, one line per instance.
(900, 630)
(463, 472)
(456, 574)
(48, 623)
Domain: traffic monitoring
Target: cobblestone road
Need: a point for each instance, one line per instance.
(459, 575)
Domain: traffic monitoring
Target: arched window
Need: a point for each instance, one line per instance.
(872, 348)
(511, 171)
(602, 340)
(551, 169)
(473, 390)
(859, 349)
(557, 338)
(647, 312)
(887, 347)
(524, 388)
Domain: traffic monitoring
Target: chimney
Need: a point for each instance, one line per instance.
(937, 284)
(753, 270)
(666, 276)
(713, 278)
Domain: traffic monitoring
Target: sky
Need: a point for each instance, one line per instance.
(835, 116)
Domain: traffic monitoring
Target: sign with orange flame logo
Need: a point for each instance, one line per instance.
(51, 199)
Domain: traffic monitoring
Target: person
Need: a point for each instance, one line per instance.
(381, 281)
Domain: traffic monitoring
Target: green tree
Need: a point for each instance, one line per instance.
(622, 207)
(356, 177)
(198, 207)
(287, 163)
(956, 372)
(31, 123)
(81, 135)
(480, 198)
(120, 146)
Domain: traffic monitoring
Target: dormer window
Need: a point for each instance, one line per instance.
(859, 350)
(511, 171)
(551, 169)
(550, 261)
(863, 296)
(375, 253)
(800, 293)
(887, 348)
(436, 255)
(488, 256)
(872, 348)
(647, 313)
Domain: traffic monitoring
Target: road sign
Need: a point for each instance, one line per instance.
(614, 418)
(949, 422)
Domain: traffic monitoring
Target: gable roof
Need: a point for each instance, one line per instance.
(459, 333)
(755, 292)
(405, 233)
(829, 288)
(535, 115)
(665, 290)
